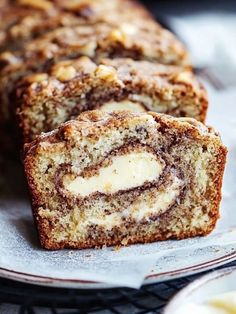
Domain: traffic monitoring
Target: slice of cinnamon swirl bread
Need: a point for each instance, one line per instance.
(123, 177)
(47, 99)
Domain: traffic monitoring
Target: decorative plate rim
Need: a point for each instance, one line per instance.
(90, 285)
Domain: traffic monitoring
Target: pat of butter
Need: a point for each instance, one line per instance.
(199, 309)
(126, 172)
(225, 301)
(220, 304)
(123, 105)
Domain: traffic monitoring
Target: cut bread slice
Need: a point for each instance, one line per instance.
(70, 87)
(122, 177)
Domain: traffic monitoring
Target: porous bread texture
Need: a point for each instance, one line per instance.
(70, 87)
(194, 159)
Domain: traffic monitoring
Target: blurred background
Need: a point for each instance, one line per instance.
(208, 29)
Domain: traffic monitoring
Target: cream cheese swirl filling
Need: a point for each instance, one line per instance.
(123, 173)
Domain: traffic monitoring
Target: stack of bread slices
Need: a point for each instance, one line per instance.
(109, 116)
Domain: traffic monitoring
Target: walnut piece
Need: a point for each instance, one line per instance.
(36, 78)
(106, 72)
(39, 4)
(64, 72)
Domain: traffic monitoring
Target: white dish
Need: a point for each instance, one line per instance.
(22, 259)
(203, 289)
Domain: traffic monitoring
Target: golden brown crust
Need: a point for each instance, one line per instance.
(97, 120)
(161, 229)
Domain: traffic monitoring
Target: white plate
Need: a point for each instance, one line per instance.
(203, 289)
(22, 259)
